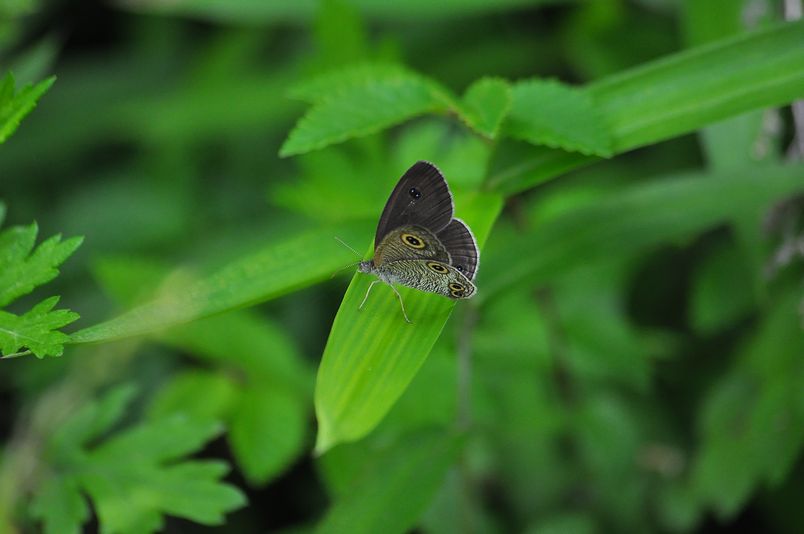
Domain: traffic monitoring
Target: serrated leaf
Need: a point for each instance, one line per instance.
(138, 475)
(60, 506)
(267, 431)
(285, 264)
(396, 487)
(197, 394)
(13, 107)
(92, 420)
(372, 354)
(364, 101)
(485, 105)
(132, 487)
(678, 94)
(546, 112)
(35, 330)
(21, 270)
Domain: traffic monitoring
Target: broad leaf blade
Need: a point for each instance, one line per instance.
(680, 94)
(280, 267)
(546, 112)
(647, 215)
(373, 354)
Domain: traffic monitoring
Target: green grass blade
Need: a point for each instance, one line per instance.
(680, 94)
(646, 215)
(279, 268)
(372, 354)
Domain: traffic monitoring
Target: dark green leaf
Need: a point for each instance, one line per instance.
(394, 489)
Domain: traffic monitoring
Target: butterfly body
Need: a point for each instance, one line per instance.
(419, 244)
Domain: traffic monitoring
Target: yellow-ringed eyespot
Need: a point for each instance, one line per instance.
(437, 267)
(412, 241)
(456, 287)
(456, 294)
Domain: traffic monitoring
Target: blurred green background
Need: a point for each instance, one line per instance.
(650, 378)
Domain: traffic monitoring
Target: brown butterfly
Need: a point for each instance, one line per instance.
(419, 244)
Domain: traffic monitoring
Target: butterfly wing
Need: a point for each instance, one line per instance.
(420, 198)
(461, 247)
(410, 243)
(432, 276)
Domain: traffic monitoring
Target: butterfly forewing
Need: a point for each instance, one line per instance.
(421, 198)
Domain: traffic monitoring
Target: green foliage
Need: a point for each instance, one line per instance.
(287, 263)
(631, 362)
(391, 492)
(266, 415)
(552, 114)
(14, 105)
(372, 354)
(359, 102)
(21, 270)
(485, 105)
(134, 476)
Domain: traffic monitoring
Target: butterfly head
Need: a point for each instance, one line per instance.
(365, 266)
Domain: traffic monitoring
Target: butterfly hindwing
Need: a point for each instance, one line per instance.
(410, 243)
(432, 276)
(461, 246)
(420, 198)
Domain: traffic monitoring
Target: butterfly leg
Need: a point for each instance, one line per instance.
(367, 294)
(401, 303)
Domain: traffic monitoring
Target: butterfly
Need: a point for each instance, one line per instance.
(419, 244)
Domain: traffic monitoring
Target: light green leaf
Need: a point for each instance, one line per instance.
(240, 338)
(197, 394)
(546, 112)
(284, 265)
(486, 104)
(395, 489)
(362, 102)
(60, 506)
(647, 215)
(133, 478)
(13, 107)
(679, 94)
(372, 354)
(92, 420)
(267, 431)
(36, 330)
(22, 268)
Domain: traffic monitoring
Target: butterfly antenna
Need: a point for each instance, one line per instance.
(342, 242)
(344, 268)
